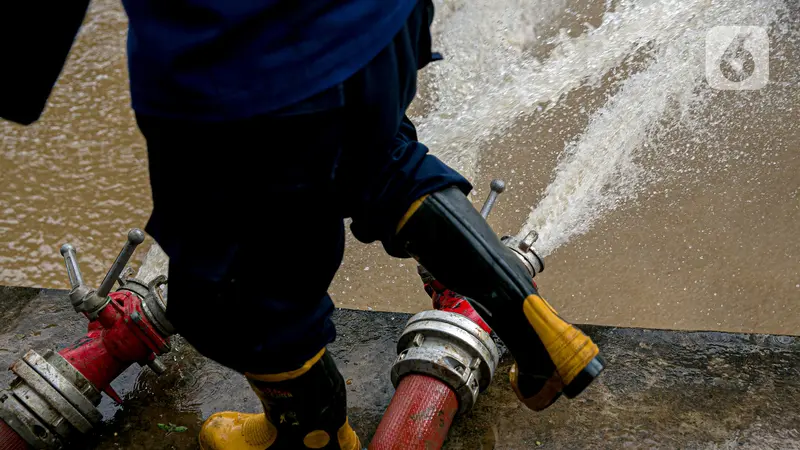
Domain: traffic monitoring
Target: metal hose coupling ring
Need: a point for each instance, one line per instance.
(448, 347)
(154, 303)
(523, 248)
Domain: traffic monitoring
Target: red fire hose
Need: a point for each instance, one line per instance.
(423, 407)
(9, 439)
(419, 416)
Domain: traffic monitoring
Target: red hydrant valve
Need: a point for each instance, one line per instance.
(56, 394)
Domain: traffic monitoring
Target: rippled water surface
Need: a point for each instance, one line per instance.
(660, 201)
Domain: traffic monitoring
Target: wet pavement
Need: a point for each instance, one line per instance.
(662, 389)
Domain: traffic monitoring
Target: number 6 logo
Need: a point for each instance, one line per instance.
(737, 57)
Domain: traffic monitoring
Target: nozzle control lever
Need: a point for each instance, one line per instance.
(497, 187)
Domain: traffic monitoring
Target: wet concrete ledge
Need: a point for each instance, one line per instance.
(663, 389)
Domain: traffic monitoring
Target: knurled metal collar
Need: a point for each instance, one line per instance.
(451, 348)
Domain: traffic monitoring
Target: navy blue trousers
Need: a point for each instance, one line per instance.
(252, 212)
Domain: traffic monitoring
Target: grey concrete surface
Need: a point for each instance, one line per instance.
(662, 389)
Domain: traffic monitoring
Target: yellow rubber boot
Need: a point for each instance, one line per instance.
(237, 431)
(305, 408)
(445, 233)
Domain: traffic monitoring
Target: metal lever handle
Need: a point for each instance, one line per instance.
(135, 237)
(497, 187)
(71, 261)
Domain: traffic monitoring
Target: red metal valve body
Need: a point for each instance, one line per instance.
(120, 336)
(446, 300)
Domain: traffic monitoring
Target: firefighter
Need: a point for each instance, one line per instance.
(267, 125)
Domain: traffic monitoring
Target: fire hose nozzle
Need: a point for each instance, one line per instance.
(524, 250)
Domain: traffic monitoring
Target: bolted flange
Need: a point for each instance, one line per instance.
(49, 401)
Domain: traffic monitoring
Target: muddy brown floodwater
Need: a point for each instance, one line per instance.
(662, 202)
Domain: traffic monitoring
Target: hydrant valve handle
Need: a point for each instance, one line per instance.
(71, 261)
(135, 237)
(82, 298)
